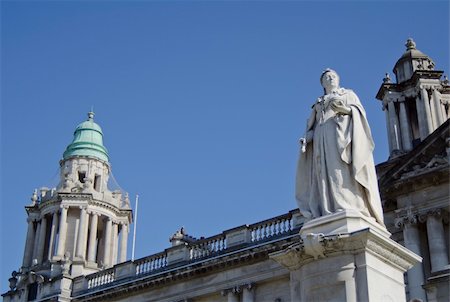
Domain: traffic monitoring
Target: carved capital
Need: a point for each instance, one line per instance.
(234, 290)
(409, 217)
(435, 212)
(249, 286)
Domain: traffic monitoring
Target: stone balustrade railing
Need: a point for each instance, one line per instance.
(230, 240)
(100, 278)
(151, 263)
(207, 247)
(272, 227)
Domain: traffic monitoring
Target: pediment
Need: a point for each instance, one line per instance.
(427, 157)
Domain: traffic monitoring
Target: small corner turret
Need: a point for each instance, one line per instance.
(417, 103)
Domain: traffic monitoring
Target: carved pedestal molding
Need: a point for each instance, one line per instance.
(411, 237)
(356, 266)
(436, 239)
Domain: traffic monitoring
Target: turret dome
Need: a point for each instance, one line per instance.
(87, 141)
(411, 61)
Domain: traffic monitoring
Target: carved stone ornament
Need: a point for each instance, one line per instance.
(313, 245)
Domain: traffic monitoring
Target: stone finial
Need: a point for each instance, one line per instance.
(181, 237)
(34, 197)
(178, 237)
(91, 115)
(410, 44)
(445, 81)
(387, 78)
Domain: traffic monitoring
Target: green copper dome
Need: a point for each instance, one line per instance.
(87, 141)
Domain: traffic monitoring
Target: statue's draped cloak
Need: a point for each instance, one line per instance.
(337, 171)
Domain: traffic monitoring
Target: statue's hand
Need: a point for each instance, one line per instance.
(339, 107)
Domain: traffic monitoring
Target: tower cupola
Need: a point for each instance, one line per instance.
(417, 104)
(412, 60)
(87, 141)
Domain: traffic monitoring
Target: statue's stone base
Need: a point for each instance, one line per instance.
(346, 257)
(342, 222)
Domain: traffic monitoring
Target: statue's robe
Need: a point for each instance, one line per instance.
(337, 171)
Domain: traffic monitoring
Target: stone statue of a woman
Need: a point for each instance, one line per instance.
(336, 170)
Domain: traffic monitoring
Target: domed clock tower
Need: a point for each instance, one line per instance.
(77, 228)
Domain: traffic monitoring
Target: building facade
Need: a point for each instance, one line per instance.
(77, 232)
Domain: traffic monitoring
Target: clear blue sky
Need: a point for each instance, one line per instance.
(201, 103)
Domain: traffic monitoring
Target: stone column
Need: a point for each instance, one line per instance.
(440, 119)
(93, 238)
(62, 231)
(405, 127)
(123, 242)
(115, 245)
(443, 109)
(82, 233)
(28, 254)
(107, 237)
(42, 237)
(435, 111)
(52, 236)
(395, 128)
(388, 126)
(232, 294)
(426, 105)
(248, 293)
(421, 118)
(36, 242)
(415, 274)
(436, 241)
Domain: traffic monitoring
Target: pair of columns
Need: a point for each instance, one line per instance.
(111, 242)
(436, 245)
(37, 235)
(399, 127)
(432, 111)
(430, 115)
(233, 294)
(37, 239)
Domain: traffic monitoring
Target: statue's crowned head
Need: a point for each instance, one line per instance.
(329, 80)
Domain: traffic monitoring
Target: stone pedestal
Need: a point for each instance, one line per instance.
(342, 222)
(346, 257)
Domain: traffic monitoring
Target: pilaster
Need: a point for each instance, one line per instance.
(412, 242)
(436, 240)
